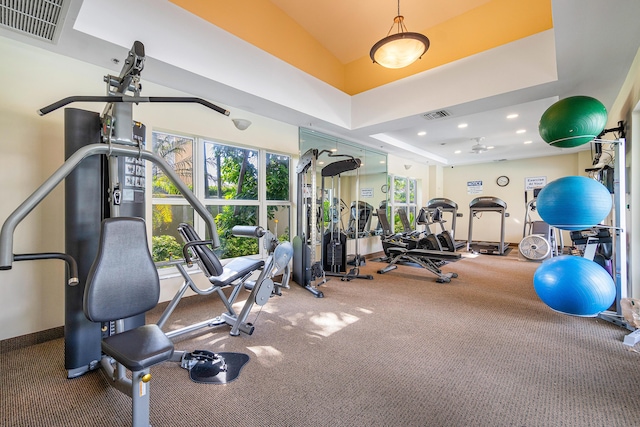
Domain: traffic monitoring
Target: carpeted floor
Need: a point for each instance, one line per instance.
(399, 350)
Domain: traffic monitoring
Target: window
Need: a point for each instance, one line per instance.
(278, 170)
(404, 195)
(230, 172)
(177, 152)
(238, 185)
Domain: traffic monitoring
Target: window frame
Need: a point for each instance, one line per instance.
(410, 195)
(197, 170)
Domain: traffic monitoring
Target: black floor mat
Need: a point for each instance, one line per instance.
(209, 371)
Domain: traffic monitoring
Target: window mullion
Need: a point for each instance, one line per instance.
(198, 186)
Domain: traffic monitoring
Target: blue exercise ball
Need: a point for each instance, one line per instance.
(573, 121)
(574, 285)
(574, 203)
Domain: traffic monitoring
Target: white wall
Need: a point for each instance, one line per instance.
(418, 170)
(487, 228)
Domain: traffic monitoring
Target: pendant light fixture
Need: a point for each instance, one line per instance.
(400, 49)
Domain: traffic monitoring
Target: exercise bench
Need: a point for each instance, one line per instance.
(425, 258)
(236, 274)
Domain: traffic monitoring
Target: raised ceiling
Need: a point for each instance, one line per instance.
(331, 40)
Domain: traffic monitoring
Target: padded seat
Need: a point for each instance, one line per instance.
(211, 266)
(235, 270)
(425, 253)
(139, 348)
(123, 282)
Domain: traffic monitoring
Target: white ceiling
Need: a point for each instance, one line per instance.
(588, 52)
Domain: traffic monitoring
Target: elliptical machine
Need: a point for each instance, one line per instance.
(360, 215)
(437, 242)
(447, 206)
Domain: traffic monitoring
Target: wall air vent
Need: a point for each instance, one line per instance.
(436, 115)
(37, 18)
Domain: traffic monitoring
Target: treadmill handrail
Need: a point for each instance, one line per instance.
(10, 224)
(487, 202)
(447, 205)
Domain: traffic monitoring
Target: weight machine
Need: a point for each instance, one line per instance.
(235, 274)
(104, 230)
(307, 270)
(334, 241)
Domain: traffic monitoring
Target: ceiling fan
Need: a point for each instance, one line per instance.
(478, 147)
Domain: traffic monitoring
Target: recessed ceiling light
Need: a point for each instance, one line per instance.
(528, 142)
(462, 125)
(382, 162)
(321, 162)
(333, 150)
(491, 147)
(422, 133)
(457, 152)
(512, 116)
(521, 131)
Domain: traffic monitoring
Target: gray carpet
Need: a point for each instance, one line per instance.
(400, 350)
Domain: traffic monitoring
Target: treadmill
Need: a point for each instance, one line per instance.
(487, 204)
(449, 206)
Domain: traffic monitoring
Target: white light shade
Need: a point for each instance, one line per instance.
(241, 124)
(399, 50)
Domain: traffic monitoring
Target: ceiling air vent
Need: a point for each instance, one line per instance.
(436, 115)
(38, 18)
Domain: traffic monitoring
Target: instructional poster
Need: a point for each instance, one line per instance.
(474, 187)
(366, 193)
(533, 182)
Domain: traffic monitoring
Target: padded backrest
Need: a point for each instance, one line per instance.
(384, 221)
(404, 219)
(123, 280)
(209, 262)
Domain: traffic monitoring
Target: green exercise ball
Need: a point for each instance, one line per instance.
(573, 121)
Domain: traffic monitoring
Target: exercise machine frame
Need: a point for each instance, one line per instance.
(332, 171)
(236, 274)
(487, 204)
(118, 136)
(427, 259)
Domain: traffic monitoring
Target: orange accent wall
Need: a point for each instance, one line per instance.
(494, 24)
(267, 27)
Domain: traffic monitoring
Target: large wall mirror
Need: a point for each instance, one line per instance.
(364, 188)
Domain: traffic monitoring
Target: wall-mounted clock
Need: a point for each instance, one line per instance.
(502, 181)
(384, 188)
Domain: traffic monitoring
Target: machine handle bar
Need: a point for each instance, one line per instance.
(135, 99)
(71, 262)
